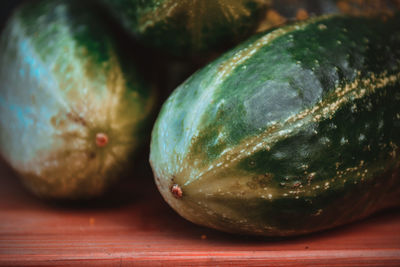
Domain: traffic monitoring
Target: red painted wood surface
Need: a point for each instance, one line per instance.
(133, 226)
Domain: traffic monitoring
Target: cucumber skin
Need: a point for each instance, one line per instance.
(64, 80)
(292, 132)
(188, 27)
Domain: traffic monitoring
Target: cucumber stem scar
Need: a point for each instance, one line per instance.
(176, 190)
(101, 139)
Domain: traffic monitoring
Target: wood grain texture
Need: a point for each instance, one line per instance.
(133, 226)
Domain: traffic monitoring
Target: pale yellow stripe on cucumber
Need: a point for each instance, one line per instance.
(124, 107)
(243, 55)
(123, 110)
(321, 111)
(199, 12)
(120, 110)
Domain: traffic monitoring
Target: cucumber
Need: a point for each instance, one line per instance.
(294, 131)
(188, 27)
(73, 108)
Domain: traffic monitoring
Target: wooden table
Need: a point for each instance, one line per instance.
(133, 226)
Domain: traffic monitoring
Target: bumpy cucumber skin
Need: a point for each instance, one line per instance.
(64, 80)
(188, 27)
(294, 131)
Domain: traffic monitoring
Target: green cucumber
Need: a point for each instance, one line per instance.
(294, 131)
(183, 27)
(72, 106)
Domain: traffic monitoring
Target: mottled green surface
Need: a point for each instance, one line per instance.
(64, 80)
(294, 131)
(183, 27)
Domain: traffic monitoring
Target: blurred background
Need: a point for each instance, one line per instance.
(6, 8)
